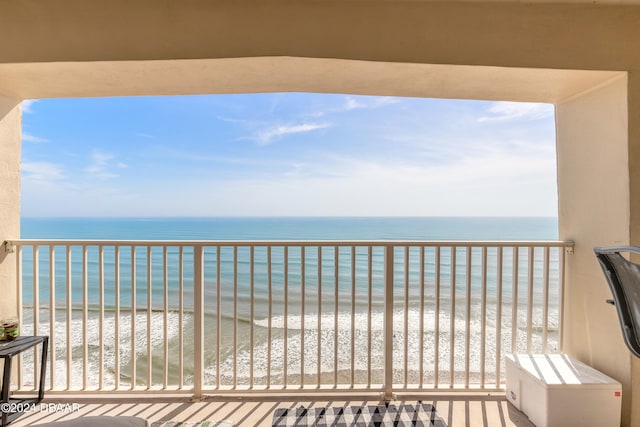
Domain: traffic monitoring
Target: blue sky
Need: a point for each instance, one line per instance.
(287, 154)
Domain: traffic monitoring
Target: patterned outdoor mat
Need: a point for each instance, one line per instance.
(418, 415)
(198, 424)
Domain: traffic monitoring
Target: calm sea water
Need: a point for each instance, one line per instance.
(268, 308)
(429, 228)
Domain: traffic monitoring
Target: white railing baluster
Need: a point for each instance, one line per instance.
(467, 316)
(36, 305)
(421, 326)
(101, 314)
(20, 302)
(285, 315)
(405, 308)
(165, 332)
(353, 316)
(561, 279)
(36, 289)
(530, 298)
(270, 292)
(149, 317)
(69, 310)
(514, 299)
(319, 318)
(388, 320)
(336, 330)
(252, 292)
(218, 312)
(369, 310)
(436, 331)
(452, 319)
(85, 317)
(235, 316)
(198, 320)
(483, 317)
(52, 317)
(133, 356)
(181, 317)
(303, 297)
(116, 314)
(499, 266)
(545, 299)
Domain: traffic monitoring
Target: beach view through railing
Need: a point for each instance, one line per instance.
(245, 316)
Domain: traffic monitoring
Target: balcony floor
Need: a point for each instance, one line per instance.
(458, 410)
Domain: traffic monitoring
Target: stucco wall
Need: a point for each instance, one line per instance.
(593, 191)
(10, 140)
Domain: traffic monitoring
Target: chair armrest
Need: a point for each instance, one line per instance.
(614, 249)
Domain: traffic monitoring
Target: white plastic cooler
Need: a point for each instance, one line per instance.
(555, 390)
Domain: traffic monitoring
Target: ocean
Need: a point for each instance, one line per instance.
(272, 324)
(369, 228)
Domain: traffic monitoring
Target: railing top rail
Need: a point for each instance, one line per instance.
(266, 243)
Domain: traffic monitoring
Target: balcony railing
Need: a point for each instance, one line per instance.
(239, 317)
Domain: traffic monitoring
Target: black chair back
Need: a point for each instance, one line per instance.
(623, 277)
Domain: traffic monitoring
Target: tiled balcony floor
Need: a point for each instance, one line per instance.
(457, 410)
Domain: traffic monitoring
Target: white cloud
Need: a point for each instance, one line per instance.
(491, 182)
(101, 164)
(42, 171)
(352, 104)
(382, 101)
(32, 138)
(266, 136)
(486, 183)
(504, 111)
(232, 120)
(376, 102)
(27, 104)
(144, 135)
(296, 170)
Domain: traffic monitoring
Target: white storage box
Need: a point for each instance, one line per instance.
(555, 390)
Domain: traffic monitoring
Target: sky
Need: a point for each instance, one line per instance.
(286, 154)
